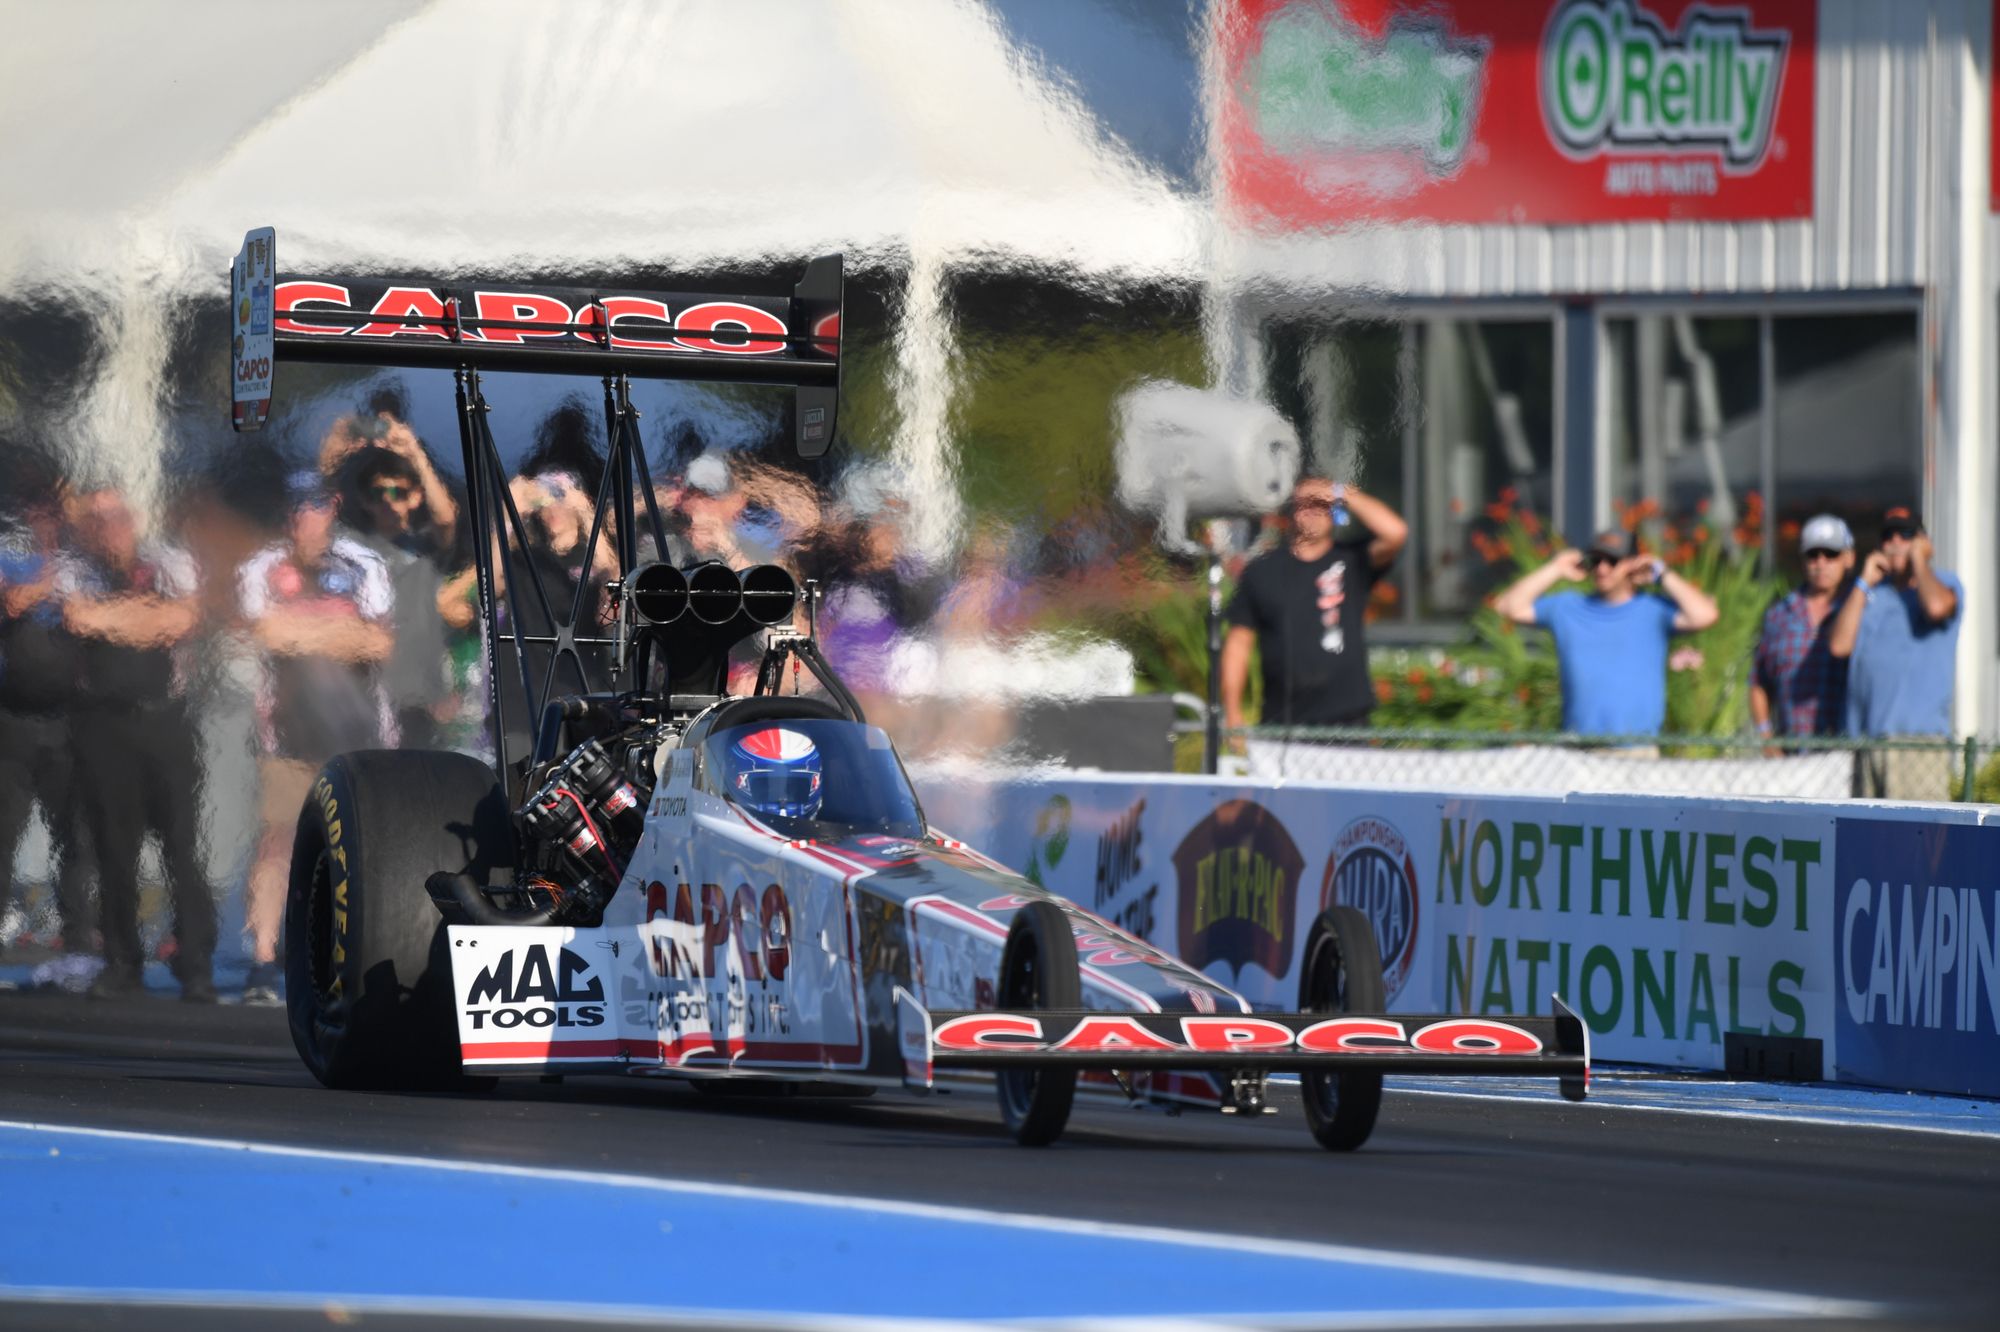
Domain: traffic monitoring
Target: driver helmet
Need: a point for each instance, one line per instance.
(776, 773)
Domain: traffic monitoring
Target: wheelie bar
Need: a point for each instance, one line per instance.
(1557, 1045)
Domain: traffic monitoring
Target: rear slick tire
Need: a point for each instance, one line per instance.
(368, 982)
(1038, 970)
(1342, 974)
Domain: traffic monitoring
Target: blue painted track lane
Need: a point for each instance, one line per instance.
(150, 1218)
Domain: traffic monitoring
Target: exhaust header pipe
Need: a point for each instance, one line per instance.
(712, 596)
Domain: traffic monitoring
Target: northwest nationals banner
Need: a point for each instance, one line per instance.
(1530, 111)
(1667, 924)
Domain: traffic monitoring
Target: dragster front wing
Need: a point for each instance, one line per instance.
(1555, 1046)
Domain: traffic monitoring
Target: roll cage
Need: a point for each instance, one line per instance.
(469, 327)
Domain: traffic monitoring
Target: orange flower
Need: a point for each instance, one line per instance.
(1701, 505)
(1788, 531)
(1425, 693)
(1701, 533)
(1416, 675)
(1382, 691)
(1509, 495)
(1529, 523)
(1521, 694)
(1684, 555)
(1497, 512)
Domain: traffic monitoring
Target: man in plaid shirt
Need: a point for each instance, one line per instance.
(1797, 685)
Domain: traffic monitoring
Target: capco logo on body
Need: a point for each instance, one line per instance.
(1613, 77)
(1239, 885)
(536, 994)
(1371, 870)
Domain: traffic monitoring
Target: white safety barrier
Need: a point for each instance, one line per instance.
(1668, 922)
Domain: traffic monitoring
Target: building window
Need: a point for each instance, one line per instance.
(1442, 417)
(1685, 420)
(1692, 438)
(1849, 423)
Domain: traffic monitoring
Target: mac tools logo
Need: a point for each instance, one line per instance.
(1614, 79)
(538, 994)
(1239, 886)
(1371, 870)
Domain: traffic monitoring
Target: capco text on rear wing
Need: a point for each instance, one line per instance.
(509, 326)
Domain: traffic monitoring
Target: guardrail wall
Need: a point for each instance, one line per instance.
(1677, 926)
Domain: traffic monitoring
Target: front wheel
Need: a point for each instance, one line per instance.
(367, 976)
(1038, 969)
(1343, 974)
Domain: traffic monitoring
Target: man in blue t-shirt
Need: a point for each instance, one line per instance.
(1611, 643)
(1900, 635)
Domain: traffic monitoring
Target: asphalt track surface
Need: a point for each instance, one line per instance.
(1904, 1224)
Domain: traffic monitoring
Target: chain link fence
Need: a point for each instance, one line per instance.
(1917, 768)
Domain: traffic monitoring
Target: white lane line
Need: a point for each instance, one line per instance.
(1747, 1301)
(1707, 1112)
(335, 1304)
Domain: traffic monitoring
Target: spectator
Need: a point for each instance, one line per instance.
(1304, 604)
(320, 607)
(1797, 685)
(430, 519)
(714, 506)
(393, 501)
(39, 668)
(1611, 643)
(878, 595)
(130, 602)
(1899, 635)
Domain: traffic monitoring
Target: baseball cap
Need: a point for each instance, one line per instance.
(1901, 518)
(1615, 543)
(1825, 531)
(709, 474)
(307, 487)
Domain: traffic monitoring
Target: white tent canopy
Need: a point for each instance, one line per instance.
(491, 136)
(474, 135)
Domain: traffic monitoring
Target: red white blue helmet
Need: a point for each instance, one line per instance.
(775, 772)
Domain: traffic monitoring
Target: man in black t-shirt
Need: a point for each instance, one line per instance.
(1305, 604)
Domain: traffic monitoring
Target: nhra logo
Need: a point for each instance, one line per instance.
(1239, 883)
(539, 995)
(1371, 870)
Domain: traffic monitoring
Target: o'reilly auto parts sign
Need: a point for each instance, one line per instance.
(1529, 111)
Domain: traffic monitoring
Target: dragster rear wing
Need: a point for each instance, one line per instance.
(1555, 1046)
(508, 326)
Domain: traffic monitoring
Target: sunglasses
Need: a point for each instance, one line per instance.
(1813, 555)
(1899, 533)
(391, 493)
(1321, 504)
(1598, 560)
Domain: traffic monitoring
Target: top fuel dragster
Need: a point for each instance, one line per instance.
(741, 891)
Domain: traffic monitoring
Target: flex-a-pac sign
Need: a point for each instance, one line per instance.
(1530, 111)
(1916, 927)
